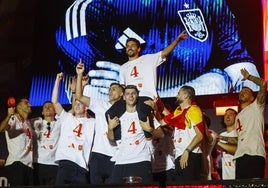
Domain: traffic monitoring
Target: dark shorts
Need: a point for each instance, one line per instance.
(164, 178)
(45, 174)
(101, 168)
(248, 167)
(192, 171)
(71, 173)
(19, 174)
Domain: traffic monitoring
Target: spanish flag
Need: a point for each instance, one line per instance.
(186, 117)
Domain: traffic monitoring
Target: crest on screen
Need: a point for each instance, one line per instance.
(194, 23)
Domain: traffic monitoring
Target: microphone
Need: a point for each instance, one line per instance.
(11, 103)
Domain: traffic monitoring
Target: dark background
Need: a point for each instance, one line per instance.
(16, 47)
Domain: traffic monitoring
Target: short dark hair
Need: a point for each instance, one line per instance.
(18, 100)
(245, 87)
(132, 87)
(134, 40)
(231, 110)
(190, 90)
(117, 84)
(47, 102)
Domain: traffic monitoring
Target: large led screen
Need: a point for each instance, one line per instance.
(223, 37)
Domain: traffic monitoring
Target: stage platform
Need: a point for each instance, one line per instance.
(248, 183)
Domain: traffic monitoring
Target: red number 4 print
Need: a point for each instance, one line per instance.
(134, 72)
(132, 128)
(78, 130)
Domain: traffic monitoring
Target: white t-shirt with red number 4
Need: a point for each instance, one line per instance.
(76, 139)
(133, 147)
(141, 72)
(47, 134)
(19, 142)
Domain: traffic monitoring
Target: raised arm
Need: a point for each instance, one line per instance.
(166, 51)
(58, 107)
(72, 85)
(80, 68)
(261, 96)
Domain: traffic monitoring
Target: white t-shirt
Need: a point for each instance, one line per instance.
(249, 124)
(133, 147)
(182, 139)
(19, 142)
(101, 142)
(141, 72)
(163, 152)
(76, 139)
(228, 162)
(47, 141)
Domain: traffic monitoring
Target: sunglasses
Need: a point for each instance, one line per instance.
(48, 126)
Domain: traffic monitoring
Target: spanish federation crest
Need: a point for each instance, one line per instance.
(194, 23)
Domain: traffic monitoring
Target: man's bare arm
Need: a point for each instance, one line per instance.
(261, 96)
(166, 51)
(229, 140)
(229, 148)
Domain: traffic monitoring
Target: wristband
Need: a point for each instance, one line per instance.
(188, 150)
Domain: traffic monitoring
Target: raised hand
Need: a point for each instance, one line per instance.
(80, 67)
(183, 35)
(11, 111)
(245, 74)
(59, 76)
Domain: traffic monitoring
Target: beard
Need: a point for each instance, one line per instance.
(131, 53)
(178, 102)
(241, 99)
